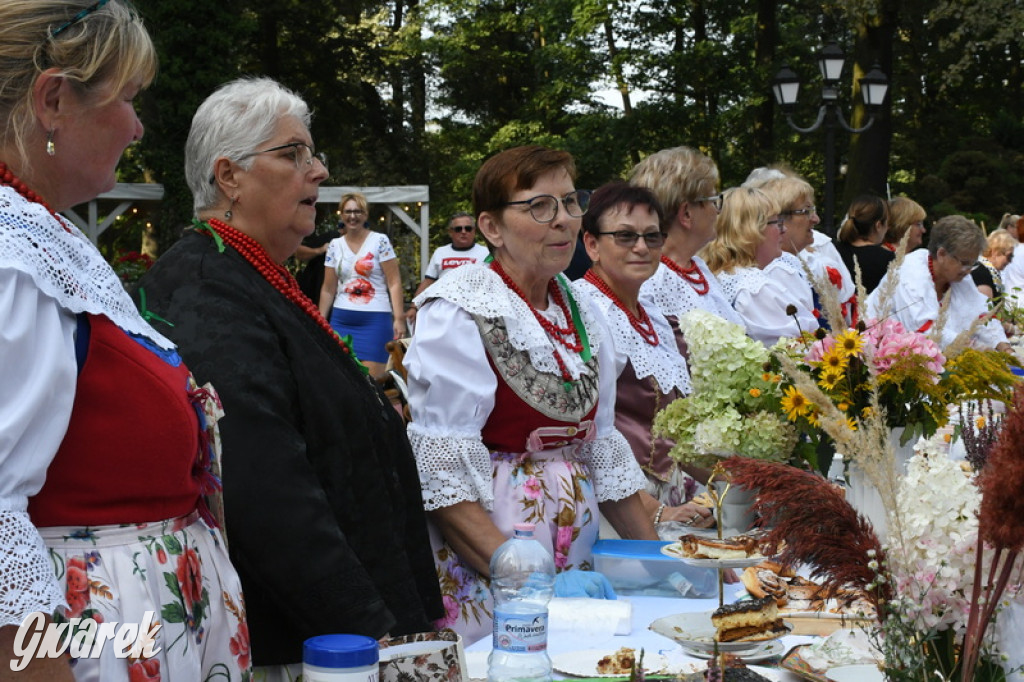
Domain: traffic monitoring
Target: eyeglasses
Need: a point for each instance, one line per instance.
(544, 207)
(965, 264)
(628, 238)
(810, 210)
(717, 200)
(302, 154)
(461, 228)
(778, 222)
(357, 211)
(78, 17)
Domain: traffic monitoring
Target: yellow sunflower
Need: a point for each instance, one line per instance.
(843, 406)
(794, 404)
(867, 412)
(812, 416)
(830, 378)
(834, 360)
(849, 343)
(851, 424)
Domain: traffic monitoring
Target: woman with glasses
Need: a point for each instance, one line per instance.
(928, 276)
(623, 237)
(860, 238)
(362, 294)
(321, 494)
(750, 237)
(684, 181)
(106, 488)
(512, 391)
(905, 216)
(803, 247)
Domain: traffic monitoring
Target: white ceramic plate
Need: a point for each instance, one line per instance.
(764, 652)
(695, 631)
(584, 663)
(855, 673)
(676, 552)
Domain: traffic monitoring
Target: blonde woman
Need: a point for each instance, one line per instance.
(750, 236)
(997, 255)
(370, 304)
(905, 215)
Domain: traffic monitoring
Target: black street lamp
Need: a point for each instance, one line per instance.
(873, 87)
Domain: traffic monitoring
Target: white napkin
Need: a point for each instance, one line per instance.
(594, 617)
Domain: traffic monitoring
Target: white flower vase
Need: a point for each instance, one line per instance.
(864, 497)
(737, 512)
(1009, 635)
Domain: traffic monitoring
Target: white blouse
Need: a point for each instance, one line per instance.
(788, 272)
(49, 272)
(452, 389)
(761, 302)
(914, 303)
(676, 297)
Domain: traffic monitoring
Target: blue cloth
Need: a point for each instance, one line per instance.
(576, 583)
(370, 332)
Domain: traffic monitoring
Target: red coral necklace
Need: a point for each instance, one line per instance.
(641, 322)
(277, 276)
(567, 336)
(8, 178)
(693, 274)
(931, 271)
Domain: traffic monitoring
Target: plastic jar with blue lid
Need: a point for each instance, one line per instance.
(340, 658)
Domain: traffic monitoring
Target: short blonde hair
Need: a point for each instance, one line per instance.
(357, 197)
(107, 45)
(676, 176)
(740, 226)
(903, 213)
(789, 191)
(1000, 241)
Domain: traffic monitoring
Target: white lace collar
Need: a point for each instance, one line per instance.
(65, 265)
(790, 263)
(478, 290)
(742, 279)
(662, 362)
(675, 296)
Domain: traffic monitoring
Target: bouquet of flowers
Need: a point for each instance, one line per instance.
(951, 564)
(733, 408)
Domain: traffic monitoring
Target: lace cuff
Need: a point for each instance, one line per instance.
(453, 468)
(28, 581)
(615, 471)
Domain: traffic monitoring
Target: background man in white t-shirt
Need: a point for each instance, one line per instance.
(462, 250)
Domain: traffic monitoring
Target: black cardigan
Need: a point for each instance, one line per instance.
(324, 516)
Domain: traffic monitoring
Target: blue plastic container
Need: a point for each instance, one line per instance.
(637, 567)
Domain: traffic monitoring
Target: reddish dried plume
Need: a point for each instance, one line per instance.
(813, 524)
(1001, 518)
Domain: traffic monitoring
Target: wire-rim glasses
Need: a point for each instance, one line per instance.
(303, 154)
(810, 210)
(544, 207)
(716, 200)
(628, 238)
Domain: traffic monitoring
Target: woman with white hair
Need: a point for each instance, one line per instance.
(321, 493)
(750, 235)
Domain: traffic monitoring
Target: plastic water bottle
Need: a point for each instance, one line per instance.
(522, 583)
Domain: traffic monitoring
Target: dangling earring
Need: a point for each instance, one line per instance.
(228, 214)
(50, 148)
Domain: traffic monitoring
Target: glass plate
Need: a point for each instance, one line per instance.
(675, 551)
(695, 631)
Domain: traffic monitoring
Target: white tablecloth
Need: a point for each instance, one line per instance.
(645, 611)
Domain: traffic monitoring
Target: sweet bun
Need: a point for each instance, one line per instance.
(762, 582)
(777, 568)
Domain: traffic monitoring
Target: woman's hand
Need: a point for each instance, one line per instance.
(401, 331)
(689, 514)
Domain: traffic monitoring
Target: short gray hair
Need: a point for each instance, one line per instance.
(957, 235)
(234, 121)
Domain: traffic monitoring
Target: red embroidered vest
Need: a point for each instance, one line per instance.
(532, 409)
(130, 448)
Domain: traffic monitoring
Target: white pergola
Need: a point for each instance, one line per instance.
(395, 198)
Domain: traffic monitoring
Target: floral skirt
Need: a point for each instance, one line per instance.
(179, 570)
(550, 489)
